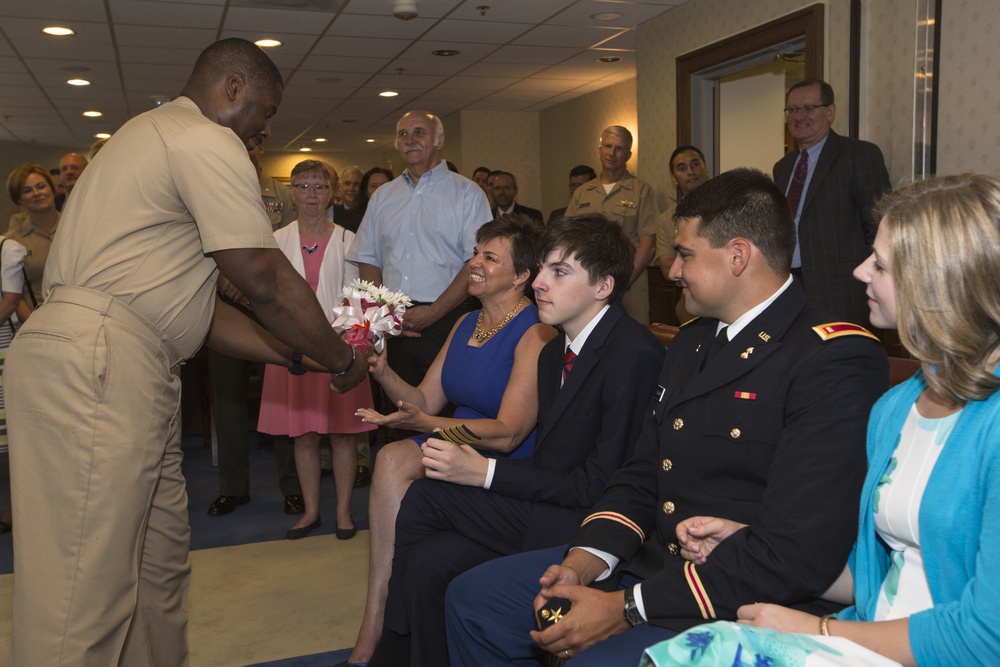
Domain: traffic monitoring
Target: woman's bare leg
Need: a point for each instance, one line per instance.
(397, 466)
(307, 467)
(345, 468)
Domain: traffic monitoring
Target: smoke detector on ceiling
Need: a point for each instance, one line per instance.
(404, 9)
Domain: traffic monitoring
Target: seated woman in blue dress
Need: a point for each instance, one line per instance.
(487, 368)
(924, 586)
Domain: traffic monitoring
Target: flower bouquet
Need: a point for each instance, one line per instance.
(369, 313)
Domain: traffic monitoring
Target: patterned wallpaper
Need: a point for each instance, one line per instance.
(969, 100)
(571, 131)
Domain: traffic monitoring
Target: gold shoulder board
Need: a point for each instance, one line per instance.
(691, 321)
(833, 330)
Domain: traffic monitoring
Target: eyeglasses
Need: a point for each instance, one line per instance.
(806, 109)
(305, 187)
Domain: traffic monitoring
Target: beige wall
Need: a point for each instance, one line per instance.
(749, 130)
(506, 140)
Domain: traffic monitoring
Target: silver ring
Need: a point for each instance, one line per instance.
(566, 653)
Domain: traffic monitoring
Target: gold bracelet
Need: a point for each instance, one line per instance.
(824, 624)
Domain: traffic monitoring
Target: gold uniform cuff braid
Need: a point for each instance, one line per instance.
(354, 355)
(824, 624)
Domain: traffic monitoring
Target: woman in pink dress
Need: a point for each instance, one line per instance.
(304, 406)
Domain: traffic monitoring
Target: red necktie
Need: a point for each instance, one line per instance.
(798, 182)
(568, 363)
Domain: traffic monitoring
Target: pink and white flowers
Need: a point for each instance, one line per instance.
(369, 313)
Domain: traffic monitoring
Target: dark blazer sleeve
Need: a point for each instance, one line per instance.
(593, 437)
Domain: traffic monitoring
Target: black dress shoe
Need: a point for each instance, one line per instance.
(294, 505)
(363, 478)
(346, 533)
(299, 533)
(226, 504)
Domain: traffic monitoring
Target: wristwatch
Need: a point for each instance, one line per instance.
(631, 612)
(296, 368)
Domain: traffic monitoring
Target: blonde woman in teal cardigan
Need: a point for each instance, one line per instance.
(924, 573)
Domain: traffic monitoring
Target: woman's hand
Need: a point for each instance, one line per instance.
(408, 417)
(700, 534)
(776, 617)
(377, 365)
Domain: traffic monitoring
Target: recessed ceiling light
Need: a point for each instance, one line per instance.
(388, 93)
(267, 43)
(607, 16)
(305, 149)
(92, 114)
(58, 31)
(445, 52)
(78, 82)
(371, 141)
(608, 59)
(320, 140)
(102, 135)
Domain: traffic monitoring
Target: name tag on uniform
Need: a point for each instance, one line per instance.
(585, 204)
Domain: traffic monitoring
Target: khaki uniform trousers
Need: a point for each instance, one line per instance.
(100, 506)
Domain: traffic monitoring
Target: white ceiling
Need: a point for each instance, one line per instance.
(337, 55)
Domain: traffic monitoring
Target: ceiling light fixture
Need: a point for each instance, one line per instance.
(102, 135)
(445, 52)
(92, 114)
(267, 43)
(320, 140)
(608, 59)
(606, 16)
(78, 82)
(370, 141)
(58, 31)
(405, 9)
(388, 93)
(305, 149)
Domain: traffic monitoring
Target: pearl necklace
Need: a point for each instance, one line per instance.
(483, 336)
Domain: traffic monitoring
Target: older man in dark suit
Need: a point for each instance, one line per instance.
(594, 384)
(761, 412)
(831, 183)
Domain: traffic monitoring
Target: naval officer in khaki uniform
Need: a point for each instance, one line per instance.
(628, 201)
(94, 393)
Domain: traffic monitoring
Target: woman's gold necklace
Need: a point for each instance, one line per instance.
(483, 336)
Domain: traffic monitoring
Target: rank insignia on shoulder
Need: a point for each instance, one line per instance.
(691, 321)
(833, 330)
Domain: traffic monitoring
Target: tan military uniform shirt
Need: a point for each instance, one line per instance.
(189, 189)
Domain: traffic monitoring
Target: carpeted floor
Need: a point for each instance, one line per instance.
(257, 598)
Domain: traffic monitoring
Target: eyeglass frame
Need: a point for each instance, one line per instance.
(304, 188)
(807, 108)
